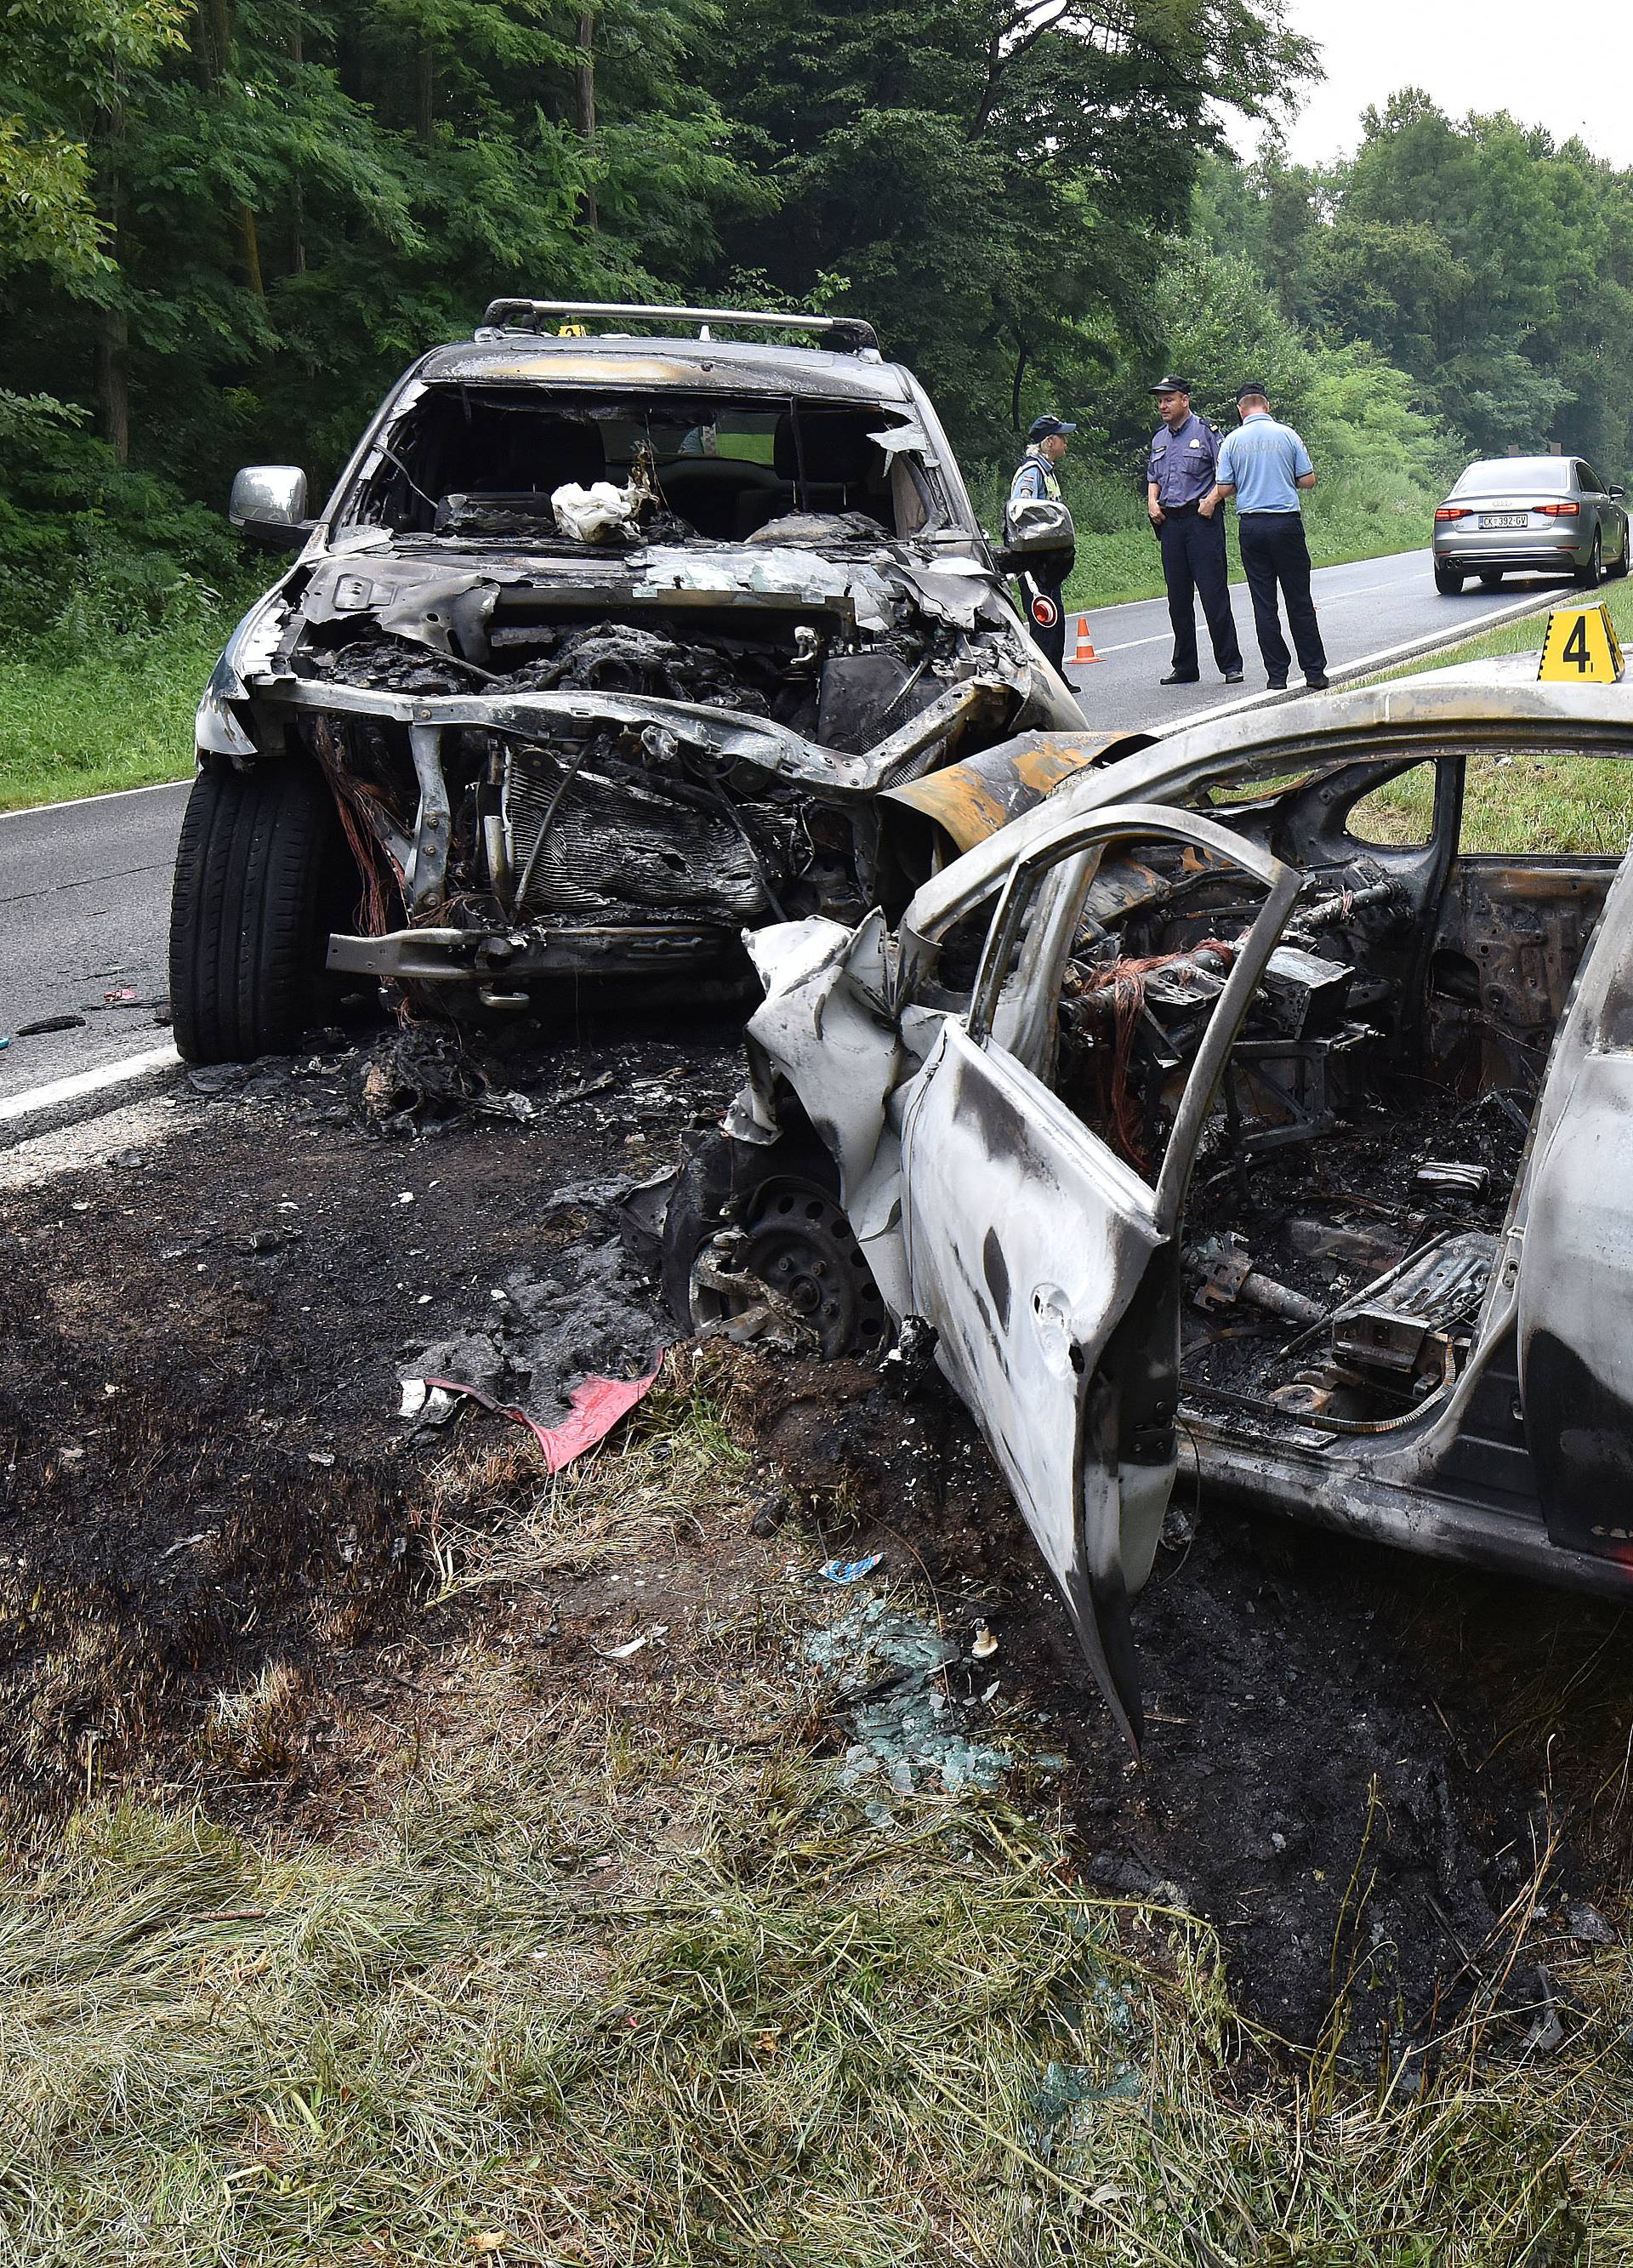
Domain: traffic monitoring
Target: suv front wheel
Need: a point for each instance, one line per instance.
(261, 870)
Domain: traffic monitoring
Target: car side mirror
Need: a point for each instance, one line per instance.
(1614, 490)
(268, 506)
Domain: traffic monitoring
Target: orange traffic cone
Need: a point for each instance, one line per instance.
(1086, 650)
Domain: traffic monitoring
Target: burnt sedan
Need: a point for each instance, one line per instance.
(1530, 515)
(1230, 1104)
(603, 648)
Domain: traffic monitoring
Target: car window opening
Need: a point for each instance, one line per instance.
(1346, 1211)
(480, 461)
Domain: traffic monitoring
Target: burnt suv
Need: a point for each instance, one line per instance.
(604, 649)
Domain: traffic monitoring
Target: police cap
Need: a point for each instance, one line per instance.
(1252, 390)
(1041, 427)
(1172, 385)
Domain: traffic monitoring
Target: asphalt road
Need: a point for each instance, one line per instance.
(84, 887)
(85, 910)
(1364, 607)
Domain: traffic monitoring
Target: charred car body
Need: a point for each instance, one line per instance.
(1229, 1097)
(602, 650)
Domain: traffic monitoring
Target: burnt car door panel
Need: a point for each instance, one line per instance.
(1576, 1270)
(1030, 1245)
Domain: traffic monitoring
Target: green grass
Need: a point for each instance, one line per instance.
(1530, 804)
(111, 716)
(580, 1995)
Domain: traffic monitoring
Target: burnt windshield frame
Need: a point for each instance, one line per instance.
(363, 505)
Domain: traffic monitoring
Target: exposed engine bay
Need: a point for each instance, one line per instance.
(598, 682)
(1345, 1210)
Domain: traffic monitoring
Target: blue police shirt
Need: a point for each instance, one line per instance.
(1262, 461)
(1182, 462)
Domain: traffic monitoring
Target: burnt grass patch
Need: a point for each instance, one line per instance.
(1374, 1776)
(216, 1542)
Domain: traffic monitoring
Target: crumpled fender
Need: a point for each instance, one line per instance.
(826, 1028)
(971, 800)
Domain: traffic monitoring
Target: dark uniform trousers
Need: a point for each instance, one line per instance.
(1053, 642)
(1273, 551)
(1194, 566)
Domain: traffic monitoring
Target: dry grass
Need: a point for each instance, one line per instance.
(617, 1975)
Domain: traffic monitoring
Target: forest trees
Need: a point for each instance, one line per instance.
(1493, 266)
(993, 177)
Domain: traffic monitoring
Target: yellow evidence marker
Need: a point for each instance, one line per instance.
(1581, 646)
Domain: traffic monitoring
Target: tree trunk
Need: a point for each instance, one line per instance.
(584, 101)
(424, 84)
(113, 381)
(249, 240)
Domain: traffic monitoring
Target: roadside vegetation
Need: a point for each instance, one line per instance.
(616, 1971)
(83, 715)
(1533, 803)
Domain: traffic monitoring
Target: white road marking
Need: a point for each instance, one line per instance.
(1367, 664)
(78, 1083)
(1128, 643)
(107, 795)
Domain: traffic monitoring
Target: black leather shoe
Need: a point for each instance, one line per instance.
(1233, 677)
(1181, 677)
(1317, 684)
(1277, 684)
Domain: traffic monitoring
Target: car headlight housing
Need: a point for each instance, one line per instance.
(215, 730)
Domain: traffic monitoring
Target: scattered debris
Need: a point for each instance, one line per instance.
(903, 1723)
(598, 1404)
(423, 1080)
(769, 1514)
(41, 1025)
(566, 1355)
(985, 1645)
(849, 1571)
(632, 1646)
(1588, 1924)
(912, 1359)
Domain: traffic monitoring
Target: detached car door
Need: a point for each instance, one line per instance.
(1048, 1266)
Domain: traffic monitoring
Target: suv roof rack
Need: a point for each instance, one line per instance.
(847, 333)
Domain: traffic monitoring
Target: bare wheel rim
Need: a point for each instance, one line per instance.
(799, 1243)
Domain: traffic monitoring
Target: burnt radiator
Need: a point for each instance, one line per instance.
(620, 851)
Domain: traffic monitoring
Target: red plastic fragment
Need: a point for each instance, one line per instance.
(598, 1404)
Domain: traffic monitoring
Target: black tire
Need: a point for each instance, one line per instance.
(1492, 578)
(1589, 577)
(262, 875)
(1448, 582)
(1616, 572)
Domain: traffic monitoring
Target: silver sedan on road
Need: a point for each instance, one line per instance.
(1542, 515)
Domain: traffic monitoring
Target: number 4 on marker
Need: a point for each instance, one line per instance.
(1576, 646)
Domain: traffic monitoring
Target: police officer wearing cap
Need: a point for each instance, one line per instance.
(1179, 478)
(1036, 481)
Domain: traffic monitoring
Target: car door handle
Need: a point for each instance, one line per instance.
(1052, 1320)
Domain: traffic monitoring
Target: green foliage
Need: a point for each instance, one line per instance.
(1490, 264)
(62, 62)
(92, 548)
(987, 176)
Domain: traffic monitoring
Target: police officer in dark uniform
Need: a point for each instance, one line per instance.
(1179, 478)
(1044, 580)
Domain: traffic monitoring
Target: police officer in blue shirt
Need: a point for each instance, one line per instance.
(1264, 465)
(1036, 481)
(1180, 473)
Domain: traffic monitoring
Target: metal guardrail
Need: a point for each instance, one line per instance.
(847, 333)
